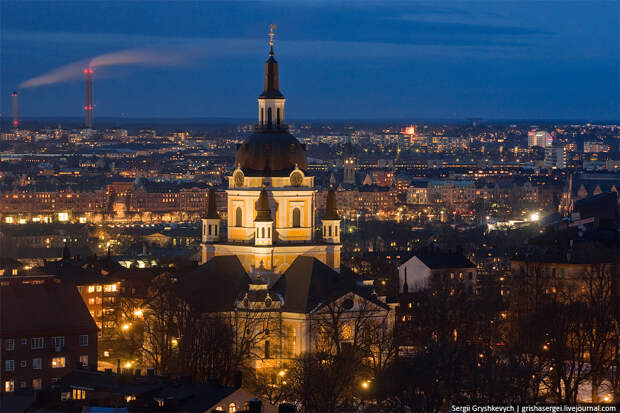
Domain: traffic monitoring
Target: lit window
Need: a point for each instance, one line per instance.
(9, 365)
(232, 408)
(36, 343)
(91, 288)
(37, 384)
(37, 363)
(78, 394)
(10, 344)
(9, 386)
(84, 360)
(84, 340)
(58, 362)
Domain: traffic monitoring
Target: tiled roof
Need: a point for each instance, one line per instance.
(51, 307)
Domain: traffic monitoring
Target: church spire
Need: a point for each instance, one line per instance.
(331, 209)
(272, 84)
(263, 211)
(211, 206)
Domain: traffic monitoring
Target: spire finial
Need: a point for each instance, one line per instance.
(272, 34)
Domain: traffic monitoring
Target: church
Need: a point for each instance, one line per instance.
(271, 261)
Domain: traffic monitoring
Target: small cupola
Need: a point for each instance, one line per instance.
(331, 219)
(211, 223)
(263, 223)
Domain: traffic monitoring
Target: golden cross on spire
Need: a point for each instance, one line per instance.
(272, 27)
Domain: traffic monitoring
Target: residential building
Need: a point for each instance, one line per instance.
(45, 332)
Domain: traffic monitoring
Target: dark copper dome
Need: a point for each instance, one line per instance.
(271, 152)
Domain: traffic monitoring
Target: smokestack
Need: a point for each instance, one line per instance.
(15, 109)
(88, 106)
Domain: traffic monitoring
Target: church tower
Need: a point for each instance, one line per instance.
(349, 164)
(271, 101)
(271, 199)
(331, 220)
(211, 223)
(263, 223)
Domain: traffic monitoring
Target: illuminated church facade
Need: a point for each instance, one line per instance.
(271, 262)
(271, 200)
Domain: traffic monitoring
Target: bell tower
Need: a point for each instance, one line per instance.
(271, 101)
(349, 164)
(331, 220)
(211, 223)
(263, 223)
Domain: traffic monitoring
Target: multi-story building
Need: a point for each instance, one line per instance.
(555, 157)
(417, 271)
(539, 138)
(417, 193)
(594, 146)
(96, 283)
(45, 332)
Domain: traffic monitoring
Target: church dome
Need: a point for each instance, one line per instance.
(271, 152)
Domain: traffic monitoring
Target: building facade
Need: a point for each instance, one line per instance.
(45, 332)
(273, 273)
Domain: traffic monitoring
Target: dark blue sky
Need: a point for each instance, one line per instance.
(414, 60)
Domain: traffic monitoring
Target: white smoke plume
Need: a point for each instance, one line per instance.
(135, 57)
(61, 74)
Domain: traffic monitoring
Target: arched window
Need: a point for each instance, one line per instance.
(238, 217)
(209, 229)
(336, 230)
(278, 116)
(216, 229)
(232, 408)
(263, 232)
(330, 230)
(268, 232)
(269, 116)
(296, 218)
(262, 116)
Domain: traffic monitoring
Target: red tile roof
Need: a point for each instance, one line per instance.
(47, 308)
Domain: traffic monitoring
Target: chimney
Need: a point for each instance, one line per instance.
(256, 406)
(15, 109)
(88, 105)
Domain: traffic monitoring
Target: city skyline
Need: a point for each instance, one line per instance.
(455, 61)
(278, 266)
